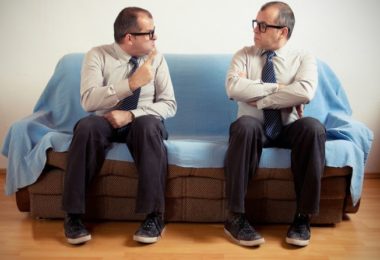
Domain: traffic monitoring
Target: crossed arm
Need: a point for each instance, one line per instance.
(296, 84)
(299, 107)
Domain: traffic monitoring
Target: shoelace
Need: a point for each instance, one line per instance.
(244, 224)
(151, 221)
(302, 223)
(75, 224)
(148, 223)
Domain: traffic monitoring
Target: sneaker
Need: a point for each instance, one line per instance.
(299, 232)
(241, 232)
(150, 230)
(75, 232)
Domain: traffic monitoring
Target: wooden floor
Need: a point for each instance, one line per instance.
(22, 237)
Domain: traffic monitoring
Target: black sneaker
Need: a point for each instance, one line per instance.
(299, 232)
(75, 232)
(241, 232)
(150, 230)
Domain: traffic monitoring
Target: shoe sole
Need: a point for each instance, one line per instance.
(256, 242)
(148, 240)
(79, 240)
(297, 242)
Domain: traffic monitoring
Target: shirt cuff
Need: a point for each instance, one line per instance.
(138, 112)
(266, 101)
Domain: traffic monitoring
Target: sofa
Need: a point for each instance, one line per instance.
(36, 147)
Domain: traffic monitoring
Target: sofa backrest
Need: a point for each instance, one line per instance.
(203, 106)
(199, 84)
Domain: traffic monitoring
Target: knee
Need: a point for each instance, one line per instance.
(88, 125)
(246, 125)
(148, 125)
(313, 127)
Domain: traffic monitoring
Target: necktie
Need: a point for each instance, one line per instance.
(272, 117)
(130, 102)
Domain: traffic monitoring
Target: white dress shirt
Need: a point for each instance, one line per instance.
(104, 83)
(295, 69)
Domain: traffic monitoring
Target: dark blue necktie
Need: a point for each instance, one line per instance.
(272, 117)
(130, 102)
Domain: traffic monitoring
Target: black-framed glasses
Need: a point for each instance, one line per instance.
(150, 33)
(263, 26)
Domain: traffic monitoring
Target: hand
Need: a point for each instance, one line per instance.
(300, 109)
(119, 118)
(144, 74)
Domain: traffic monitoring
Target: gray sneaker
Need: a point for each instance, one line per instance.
(150, 230)
(299, 232)
(241, 232)
(75, 232)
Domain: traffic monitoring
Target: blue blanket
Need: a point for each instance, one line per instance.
(199, 135)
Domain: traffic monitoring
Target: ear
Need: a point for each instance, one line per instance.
(285, 32)
(127, 39)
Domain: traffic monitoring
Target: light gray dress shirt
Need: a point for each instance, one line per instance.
(104, 83)
(295, 69)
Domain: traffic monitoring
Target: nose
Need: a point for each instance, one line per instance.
(256, 29)
(155, 37)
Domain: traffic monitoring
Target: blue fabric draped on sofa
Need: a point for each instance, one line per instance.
(198, 134)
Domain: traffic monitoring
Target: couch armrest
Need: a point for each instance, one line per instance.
(23, 200)
(344, 127)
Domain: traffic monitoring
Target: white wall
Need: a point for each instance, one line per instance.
(36, 33)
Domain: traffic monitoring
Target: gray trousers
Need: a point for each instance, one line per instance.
(305, 137)
(93, 136)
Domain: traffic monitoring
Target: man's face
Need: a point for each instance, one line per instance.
(143, 44)
(270, 39)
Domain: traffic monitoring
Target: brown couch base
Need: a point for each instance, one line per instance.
(193, 195)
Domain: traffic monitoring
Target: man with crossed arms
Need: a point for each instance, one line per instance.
(271, 81)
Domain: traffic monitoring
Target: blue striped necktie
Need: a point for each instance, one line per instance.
(130, 102)
(272, 117)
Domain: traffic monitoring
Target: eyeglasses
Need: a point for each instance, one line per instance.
(263, 26)
(150, 33)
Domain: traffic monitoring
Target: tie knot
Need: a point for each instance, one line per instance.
(134, 60)
(270, 55)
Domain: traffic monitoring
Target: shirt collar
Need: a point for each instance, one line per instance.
(281, 53)
(120, 53)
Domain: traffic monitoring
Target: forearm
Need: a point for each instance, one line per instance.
(96, 92)
(247, 90)
(287, 96)
(299, 90)
(162, 109)
(239, 85)
(102, 98)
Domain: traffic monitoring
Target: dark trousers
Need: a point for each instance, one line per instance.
(305, 137)
(93, 136)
